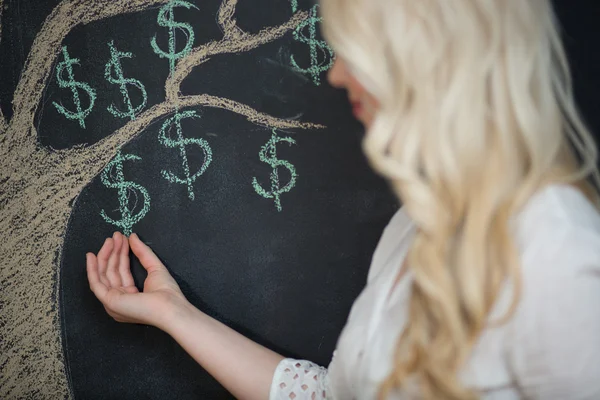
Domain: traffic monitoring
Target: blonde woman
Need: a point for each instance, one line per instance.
(486, 284)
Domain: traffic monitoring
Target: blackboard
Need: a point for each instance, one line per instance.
(283, 269)
(234, 160)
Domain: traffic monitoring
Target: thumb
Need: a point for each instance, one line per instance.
(146, 256)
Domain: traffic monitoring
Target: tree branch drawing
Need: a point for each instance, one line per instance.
(3, 123)
(234, 41)
(40, 185)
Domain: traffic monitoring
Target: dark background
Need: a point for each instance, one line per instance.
(286, 279)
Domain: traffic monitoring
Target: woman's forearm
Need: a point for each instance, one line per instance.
(242, 366)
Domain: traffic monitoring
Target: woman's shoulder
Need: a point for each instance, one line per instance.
(399, 223)
(558, 216)
(563, 204)
(392, 242)
(558, 239)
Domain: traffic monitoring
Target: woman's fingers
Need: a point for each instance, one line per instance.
(124, 266)
(112, 264)
(102, 260)
(147, 258)
(96, 284)
(120, 302)
(112, 270)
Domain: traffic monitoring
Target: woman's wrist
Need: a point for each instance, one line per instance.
(178, 312)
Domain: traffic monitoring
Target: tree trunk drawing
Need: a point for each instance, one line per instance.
(39, 186)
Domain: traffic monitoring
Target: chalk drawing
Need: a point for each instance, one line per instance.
(70, 82)
(112, 177)
(268, 154)
(114, 74)
(51, 187)
(166, 18)
(180, 143)
(317, 47)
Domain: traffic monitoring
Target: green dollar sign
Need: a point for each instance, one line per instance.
(294, 5)
(316, 46)
(268, 154)
(70, 82)
(166, 18)
(125, 188)
(114, 65)
(180, 143)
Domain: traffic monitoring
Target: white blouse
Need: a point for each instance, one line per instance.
(549, 349)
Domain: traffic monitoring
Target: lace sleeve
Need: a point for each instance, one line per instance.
(299, 380)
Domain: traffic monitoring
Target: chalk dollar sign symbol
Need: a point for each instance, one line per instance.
(268, 154)
(166, 18)
(316, 46)
(125, 188)
(114, 65)
(180, 143)
(70, 82)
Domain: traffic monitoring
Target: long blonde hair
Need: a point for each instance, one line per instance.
(476, 114)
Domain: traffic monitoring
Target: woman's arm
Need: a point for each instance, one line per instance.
(243, 367)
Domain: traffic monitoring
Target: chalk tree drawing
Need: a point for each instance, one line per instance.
(39, 185)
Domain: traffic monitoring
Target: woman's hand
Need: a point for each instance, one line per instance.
(110, 279)
(245, 368)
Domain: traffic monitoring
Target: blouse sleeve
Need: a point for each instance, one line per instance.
(557, 350)
(299, 380)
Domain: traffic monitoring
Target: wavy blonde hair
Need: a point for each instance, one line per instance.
(476, 114)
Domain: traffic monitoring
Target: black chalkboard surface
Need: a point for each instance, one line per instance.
(243, 171)
(283, 276)
(208, 128)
